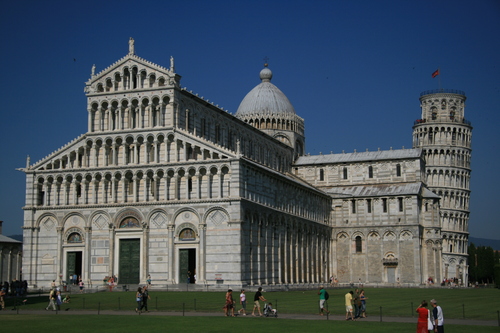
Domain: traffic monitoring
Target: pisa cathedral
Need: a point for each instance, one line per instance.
(167, 184)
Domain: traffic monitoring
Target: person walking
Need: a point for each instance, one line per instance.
(58, 299)
(363, 299)
(357, 304)
(322, 299)
(243, 302)
(348, 306)
(229, 306)
(2, 298)
(138, 299)
(80, 284)
(52, 299)
(423, 318)
(437, 314)
(145, 298)
(256, 304)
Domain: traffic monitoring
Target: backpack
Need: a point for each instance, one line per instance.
(327, 296)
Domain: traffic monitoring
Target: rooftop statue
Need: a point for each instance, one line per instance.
(131, 48)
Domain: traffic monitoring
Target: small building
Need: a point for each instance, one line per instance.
(10, 258)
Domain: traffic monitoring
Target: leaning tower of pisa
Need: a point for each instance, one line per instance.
(444, 135)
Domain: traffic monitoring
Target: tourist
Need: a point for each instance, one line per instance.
(348, 306)
(229, 306)
(52, 300)
(149, 280)
(138, 299)
(256, 305)
(322, 299)
(145, 298)
(243, 302)
(111, 283)
(2, 298)
(80, 284)
(423, 318)
(363, 299)
(437, 314)
(58, 299)
(357, 304)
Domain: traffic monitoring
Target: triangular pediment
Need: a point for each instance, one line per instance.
(131, 73)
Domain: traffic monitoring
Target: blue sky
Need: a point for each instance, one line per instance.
(352, 69)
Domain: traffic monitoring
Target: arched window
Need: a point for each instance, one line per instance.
(345, 173)
(187, 235)
(353, 203)
(130, 222)
(370, 172)
(398, 170)
(359, 244)
(321, 174)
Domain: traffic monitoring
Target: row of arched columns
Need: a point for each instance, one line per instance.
(448, 178)
(130, 78)
(135, 185)
(453, 243)
(455, 221)
(449, 158)
(131, 150)
(430, 134)
(271, 191)
(285, 250)
(453, 199)
(10, 262)
(295, 124)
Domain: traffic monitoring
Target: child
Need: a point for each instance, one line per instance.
(270, 308)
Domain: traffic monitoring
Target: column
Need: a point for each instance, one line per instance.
(156, 157)
(75, 190)
(104, 191)
(59, 231)
(46, 199)
(89, 120)
(85, 192)
(95, 191)
(171, 253)
(111, 249)
(2, 278)
(66, 185)
(145, 252)
(9, 264)
(86, 256)
(134, 187)
(156, 192)
(113, 189)
(202, 265)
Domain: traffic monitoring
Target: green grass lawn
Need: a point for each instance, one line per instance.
(135, 323)
(392, 302)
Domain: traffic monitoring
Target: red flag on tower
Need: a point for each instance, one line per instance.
(436, 73)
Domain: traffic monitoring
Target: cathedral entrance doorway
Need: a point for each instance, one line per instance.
(187, 265)
(129, 261)
(73, 265)
(391, 274)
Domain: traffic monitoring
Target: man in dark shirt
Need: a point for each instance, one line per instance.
(256, 305)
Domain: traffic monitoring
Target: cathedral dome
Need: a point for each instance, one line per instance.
(265, 99)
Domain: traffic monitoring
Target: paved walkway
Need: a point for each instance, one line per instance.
(220, 314)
